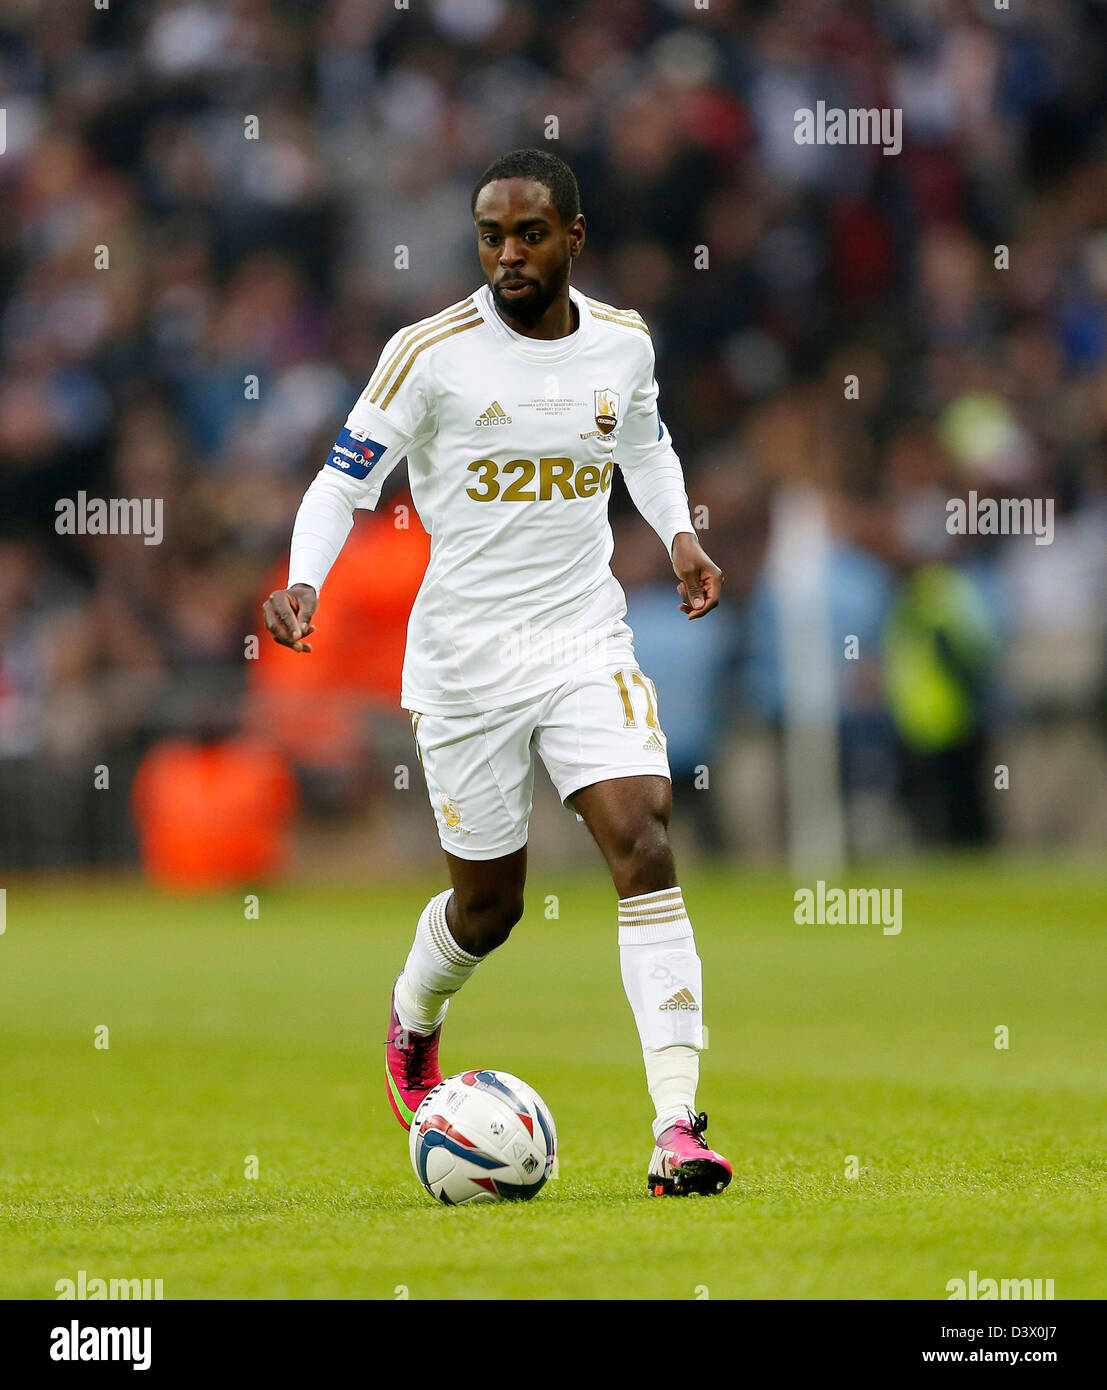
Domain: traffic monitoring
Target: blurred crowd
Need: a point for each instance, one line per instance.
(201, 203)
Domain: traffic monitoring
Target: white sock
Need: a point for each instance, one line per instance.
(663, 980)
(672, 1074)
(435, 970)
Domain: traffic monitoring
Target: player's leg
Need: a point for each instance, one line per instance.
(479, 774)
(605, 752)
(662, 975)
(628, 818)
(486, 900)
(456, 930)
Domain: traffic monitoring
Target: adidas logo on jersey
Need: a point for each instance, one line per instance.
(682, 999)
(653, 745)
(494, 415)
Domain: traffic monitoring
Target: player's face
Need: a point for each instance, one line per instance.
(525, 250)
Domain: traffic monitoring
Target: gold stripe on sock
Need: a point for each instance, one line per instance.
(651, 919)
(645, 899)
(443, 940)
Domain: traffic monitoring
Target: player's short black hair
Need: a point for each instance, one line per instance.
(543, 168)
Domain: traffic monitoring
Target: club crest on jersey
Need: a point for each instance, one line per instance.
(607, 409)
(354, 453)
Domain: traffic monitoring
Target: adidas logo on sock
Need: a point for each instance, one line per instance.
(682, 999)
(494, 415)
(653, 745)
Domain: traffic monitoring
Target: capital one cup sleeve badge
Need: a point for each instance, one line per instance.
(607, 410)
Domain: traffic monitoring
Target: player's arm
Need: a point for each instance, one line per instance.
(372, 442)
(288, 614)
(655, 481)
(701, 579)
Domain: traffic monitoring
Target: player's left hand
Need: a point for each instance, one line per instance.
(701, 580)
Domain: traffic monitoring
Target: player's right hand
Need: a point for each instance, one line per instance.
(288, 615)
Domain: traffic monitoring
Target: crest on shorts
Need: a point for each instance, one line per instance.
(607, 409)
(452, 816)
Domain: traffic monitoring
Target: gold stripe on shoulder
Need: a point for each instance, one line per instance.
(603, 308)
(625, 323)
(410, 337)
(421, 347)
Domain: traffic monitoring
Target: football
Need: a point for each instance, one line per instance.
(482, 1136)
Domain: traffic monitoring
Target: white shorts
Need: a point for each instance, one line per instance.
(480, 767)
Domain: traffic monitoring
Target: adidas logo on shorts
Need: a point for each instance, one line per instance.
(494, 415)
(653, 745)
(682, 999)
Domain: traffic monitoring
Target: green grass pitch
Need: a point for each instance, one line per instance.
(232, 1037)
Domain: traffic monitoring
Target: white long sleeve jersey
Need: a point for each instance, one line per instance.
(511, 444)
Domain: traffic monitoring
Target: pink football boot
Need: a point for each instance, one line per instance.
(410, 1066)
(683, 1166)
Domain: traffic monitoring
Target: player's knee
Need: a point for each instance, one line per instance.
(642, 858)
(486, 922)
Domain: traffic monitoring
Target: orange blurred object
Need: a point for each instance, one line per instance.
(212, 815)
